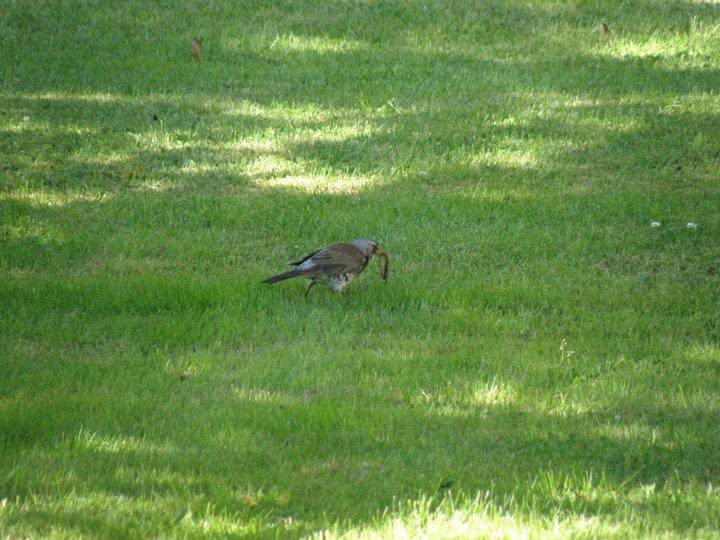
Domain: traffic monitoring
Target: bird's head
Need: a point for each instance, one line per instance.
(370, 248)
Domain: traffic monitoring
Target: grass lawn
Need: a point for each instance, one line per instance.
(542, 361)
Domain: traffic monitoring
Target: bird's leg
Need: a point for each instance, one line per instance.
(309, 287)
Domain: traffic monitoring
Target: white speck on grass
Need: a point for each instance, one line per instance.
(26, 118)
(691, 225)
(654, 224)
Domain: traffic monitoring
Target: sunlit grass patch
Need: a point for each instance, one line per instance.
(478, 518)
(319, 44)
(319, 184)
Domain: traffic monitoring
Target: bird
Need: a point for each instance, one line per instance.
(335, 265)
(196, 48)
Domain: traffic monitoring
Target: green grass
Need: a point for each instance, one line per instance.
(538, 346)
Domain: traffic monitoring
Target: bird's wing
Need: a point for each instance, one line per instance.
(334, 259)
(305, 258)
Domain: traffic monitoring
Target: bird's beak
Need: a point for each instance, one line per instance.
(385, 264)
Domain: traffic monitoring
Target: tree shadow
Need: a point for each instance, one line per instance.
(275, 452)
(254, 440)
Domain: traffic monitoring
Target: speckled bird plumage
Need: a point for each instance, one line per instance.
(335, 265)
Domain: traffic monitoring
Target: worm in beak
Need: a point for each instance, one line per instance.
(384, 264)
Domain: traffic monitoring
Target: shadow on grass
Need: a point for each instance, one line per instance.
(256, 452)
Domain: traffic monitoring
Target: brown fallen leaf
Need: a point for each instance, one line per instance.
(196, 48)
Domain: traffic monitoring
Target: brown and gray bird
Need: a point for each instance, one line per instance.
(336, 265)
(196, 48)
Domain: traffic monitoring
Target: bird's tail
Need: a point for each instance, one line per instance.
(282, 277)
